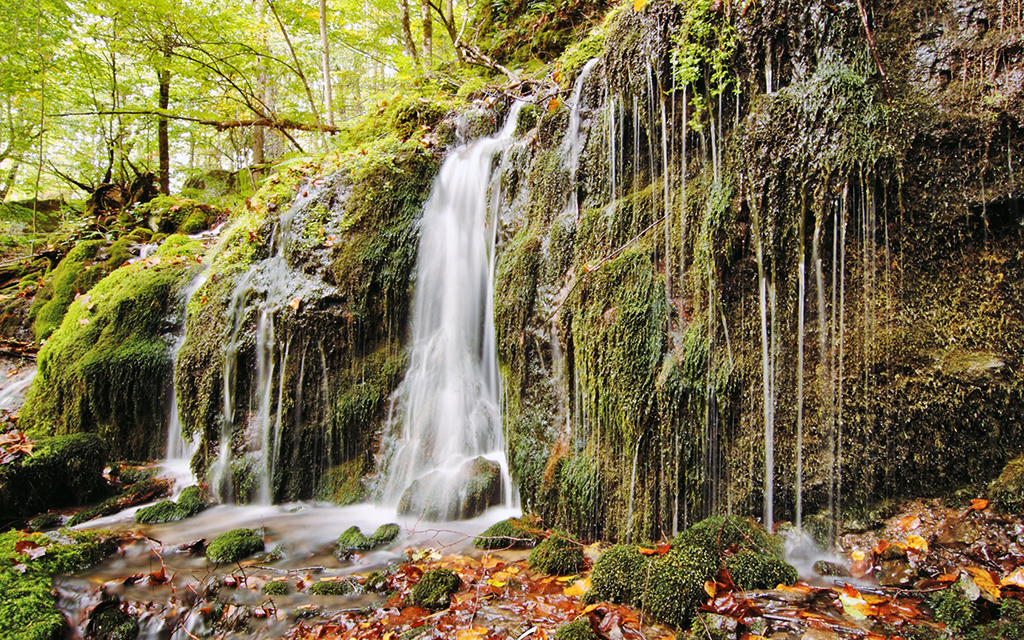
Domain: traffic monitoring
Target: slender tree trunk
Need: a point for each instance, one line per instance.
(410, 44)
(428, 34)
(328, 93)
(163, 140)
(12, 175)
(449, 11)
(258, 133)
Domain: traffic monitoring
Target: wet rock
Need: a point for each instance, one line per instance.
(440, 496)
(435, 589)
(108, 622)
(896, 573)
(1007, 491)
(831, 569)
(235, 545)
(962, 533)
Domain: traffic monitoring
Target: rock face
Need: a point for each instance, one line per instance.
(442, 497)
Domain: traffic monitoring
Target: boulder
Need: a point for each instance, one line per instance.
(442, 496)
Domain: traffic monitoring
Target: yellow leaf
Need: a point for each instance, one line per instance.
(578, 588)
(984, 580)
(474, 633)
(589, 608)
(496, 583)
(639, 4)
(857, 555)
(553, 105)
(917, 542)
(710, 588)
(294, 304)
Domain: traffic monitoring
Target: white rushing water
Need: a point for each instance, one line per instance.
(447, 407)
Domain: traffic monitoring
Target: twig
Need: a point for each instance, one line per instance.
(871, 45)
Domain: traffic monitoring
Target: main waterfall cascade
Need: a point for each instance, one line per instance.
(446, 413)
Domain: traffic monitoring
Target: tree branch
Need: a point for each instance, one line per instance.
(281, 124)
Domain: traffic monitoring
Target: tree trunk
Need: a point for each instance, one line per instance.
(410, 44)
(428, 34)
(163, 140)
(5, 188)
(449, 12)
(328, 93)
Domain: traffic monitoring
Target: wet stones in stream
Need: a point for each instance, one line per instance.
(442, 497)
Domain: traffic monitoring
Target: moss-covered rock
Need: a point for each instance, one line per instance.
(331, 588)
(235, 545)
(145, 490)
(759, 570)
(559, 554)
(350, 541)
(168, 214)
(75, 275)
(435, 589)
(107, 621)
(386, 534)
(441, 497)
(720, 533)
(62, 471)
(578, 630)
(190, 502)
(510, 533)
(46, 521)
(108, 368)
(274, 588)
(28, 609)
(1007, 491)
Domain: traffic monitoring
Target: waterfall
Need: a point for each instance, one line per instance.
(446, 413)
(178, 449)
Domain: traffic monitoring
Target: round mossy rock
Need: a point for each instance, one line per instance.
(578, 630)
(559, 555)
(331, 588)
(615, 576)
(435, 589)
(719, 533)
(350, 541)
(385, 534)
(506, 534)
(758, 570)
(235, 545)
(108, 622)
(274, 588)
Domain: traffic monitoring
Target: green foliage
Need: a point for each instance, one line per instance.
(62, 471)
(954, 609)
(46, 521)
(28, 610)
(142, 491)
(108, 367)
(189, 503)
(507, 534)
(578, 630)
(705, 46)
(331, 588)
(521, 30)
(274, 588)
(577, 54)
(435, 589)
(235, 545)
(558, 555)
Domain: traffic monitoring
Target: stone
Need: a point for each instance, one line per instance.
(442, 497)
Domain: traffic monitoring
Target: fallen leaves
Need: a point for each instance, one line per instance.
(13, 445)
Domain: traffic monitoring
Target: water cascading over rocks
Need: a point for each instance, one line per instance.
(444, 455)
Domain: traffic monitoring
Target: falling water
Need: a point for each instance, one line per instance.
(768, 394)
(448, 411)
(178, 449)
(274, 286)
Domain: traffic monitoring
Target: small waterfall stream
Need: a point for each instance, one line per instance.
(446, 412)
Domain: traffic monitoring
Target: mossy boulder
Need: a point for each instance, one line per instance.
(331, 588)
(578, 630)
(28, 608)
(168, 214)
(274, 588)
(108, 368)
(145, 490)
(190, 502)
(1007, 491)
(46, 521)
(558, 555)
(76, 274)
(435, 589)
(235, 545)
(510, 533)
(108, 621)
(62, 471)
(353, 540)
(670, 586)
(440, 497)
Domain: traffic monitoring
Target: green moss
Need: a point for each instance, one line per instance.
(577, 54)
(415, 113)
(578, 630)
(351, 540)
(385, 534)
(62, 471)
(343, 483)
(758, 570)
(507, 534)
(190, 502)
(954, 609)
(331, 588)
(179, 245)
(615, 576)
(142, 491)
(558, 555)
(28, 610)
(108, 368)
(46, 521)
(108, 622)
(435, 589)
(235, 545)
(274, 588)
(720, 533)
(75, 274)
(1008, 489)
(675, 586)
(168, 214)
